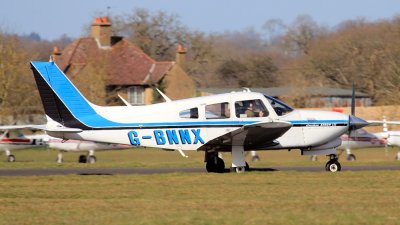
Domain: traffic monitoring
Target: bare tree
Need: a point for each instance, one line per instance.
(156, 34)
(18, 94)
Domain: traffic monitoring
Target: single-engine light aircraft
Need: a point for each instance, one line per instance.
(232, 122)
(12, 140)
(360, 139)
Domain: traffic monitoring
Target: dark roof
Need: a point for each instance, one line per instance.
(281, 91)
(127, 65)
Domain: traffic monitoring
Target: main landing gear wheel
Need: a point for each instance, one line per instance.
(333, 164)
(10, 158)
(91, 159)
(214, 164)
(82, 159)
(351, 157)
(240, 169)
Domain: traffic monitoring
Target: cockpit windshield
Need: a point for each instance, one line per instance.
(279, 107)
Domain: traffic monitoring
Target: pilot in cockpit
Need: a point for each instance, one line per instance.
(250, 110)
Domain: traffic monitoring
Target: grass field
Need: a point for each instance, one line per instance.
(367, 197)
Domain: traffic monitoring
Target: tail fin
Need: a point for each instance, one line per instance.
(61, 100)
(64, 104)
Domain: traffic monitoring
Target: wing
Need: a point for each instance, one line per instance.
(254, 136)
(381, 122)
(43, 127)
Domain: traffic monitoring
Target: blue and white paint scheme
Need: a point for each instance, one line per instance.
(233, 122)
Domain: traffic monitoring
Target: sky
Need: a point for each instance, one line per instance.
(53, 18)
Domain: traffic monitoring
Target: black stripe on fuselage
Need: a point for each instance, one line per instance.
(53, 106)
(321, 125)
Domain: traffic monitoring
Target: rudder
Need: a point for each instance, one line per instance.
(60, 99)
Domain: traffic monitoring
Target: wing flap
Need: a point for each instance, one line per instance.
(253, 136)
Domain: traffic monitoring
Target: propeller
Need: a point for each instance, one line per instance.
(351, 125)
(355, 122)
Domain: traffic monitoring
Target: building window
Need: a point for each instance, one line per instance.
(136, 95)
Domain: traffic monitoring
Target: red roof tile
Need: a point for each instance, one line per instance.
(128, 65)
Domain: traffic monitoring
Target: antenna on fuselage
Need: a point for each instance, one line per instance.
(164, 96)
(245, 89)
(125, 101)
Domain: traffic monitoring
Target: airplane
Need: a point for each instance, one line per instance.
(361, 138)
(81, 146)
(393, 140)
(13, 139)
(392, 137)
(10, 140)
(212, 124)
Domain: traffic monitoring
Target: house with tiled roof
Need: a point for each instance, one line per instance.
(129, 71)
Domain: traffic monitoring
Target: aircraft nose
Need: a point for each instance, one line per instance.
(356, 123)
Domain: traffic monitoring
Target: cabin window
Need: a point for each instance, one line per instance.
(136, 95)
(250, 108)
(192, 113)
(218, 111)
(279, 107)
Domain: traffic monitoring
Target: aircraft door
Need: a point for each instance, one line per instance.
(218, 114)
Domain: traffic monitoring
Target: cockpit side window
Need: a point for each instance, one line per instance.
(218, 111)
(192, 113)
(279, 107)
(250, 108)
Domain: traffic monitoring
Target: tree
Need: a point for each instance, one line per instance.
(300, 35)
(92, 78)
(255, 70)
(18, 94)
(156, 34)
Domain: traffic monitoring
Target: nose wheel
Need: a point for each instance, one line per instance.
(333, 164)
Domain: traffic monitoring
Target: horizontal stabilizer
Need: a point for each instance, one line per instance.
(20, 127)
(43, 127)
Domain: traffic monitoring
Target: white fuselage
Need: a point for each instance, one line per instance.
(7, 144)
(363, 139)
(40, 140)
(393, 138)
(161, 126)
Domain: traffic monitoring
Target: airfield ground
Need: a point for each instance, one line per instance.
(284, 197)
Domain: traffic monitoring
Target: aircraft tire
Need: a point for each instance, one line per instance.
(11, 158)
(333, 166)
(247, 167)
(217, 166)
(240, 169)
(351, 157)
(82, 159)
(91, 159)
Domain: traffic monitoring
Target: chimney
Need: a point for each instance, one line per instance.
(180, 57)
(101, 31)
(55, 55)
